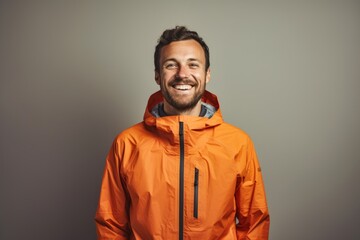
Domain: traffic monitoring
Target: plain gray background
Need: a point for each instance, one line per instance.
(76, 73)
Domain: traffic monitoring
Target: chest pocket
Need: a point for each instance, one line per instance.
(196, 193)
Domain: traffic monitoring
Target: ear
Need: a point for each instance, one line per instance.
(157, 77)
(207, 75)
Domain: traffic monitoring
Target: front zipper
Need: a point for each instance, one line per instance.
(181, 181)
(196, 192)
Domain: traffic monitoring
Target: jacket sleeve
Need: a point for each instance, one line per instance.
(112, 218)
(252, 213)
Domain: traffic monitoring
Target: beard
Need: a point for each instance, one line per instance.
(182, 106)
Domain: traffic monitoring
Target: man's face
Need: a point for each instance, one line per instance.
(182, 76)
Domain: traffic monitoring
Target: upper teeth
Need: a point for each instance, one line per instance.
(182, 87)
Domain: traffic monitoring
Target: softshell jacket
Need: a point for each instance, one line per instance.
(182, 177)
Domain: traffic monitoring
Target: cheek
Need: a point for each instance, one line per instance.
(200, 76)
(166, 77)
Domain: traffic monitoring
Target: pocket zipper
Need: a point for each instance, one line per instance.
(196, 192)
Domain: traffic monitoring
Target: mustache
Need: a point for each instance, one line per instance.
(178, 80)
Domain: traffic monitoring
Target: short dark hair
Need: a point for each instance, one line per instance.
(179, 33)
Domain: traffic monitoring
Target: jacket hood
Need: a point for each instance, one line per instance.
(191, 122)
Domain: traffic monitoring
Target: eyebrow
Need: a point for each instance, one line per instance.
(188, 60)
(170, 59)
(193, 59)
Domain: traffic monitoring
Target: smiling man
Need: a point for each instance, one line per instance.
(182, 76)
(182, 173)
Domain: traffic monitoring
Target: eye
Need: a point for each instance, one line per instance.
(170, 65)
(193, 65)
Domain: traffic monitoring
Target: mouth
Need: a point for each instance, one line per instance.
(182, 87)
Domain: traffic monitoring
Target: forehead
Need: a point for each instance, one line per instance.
(182, 50)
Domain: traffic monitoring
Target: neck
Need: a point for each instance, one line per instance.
(170, 110)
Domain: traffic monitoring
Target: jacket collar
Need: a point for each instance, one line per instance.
(170, 123)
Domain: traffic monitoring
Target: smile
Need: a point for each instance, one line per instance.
(182, 87)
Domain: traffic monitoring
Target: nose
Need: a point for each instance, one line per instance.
(183, 71)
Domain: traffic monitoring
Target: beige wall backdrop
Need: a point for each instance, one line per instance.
(75, 73)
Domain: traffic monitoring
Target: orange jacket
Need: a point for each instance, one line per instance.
(182, 177)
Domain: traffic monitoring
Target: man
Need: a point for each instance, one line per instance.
(182, 173)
